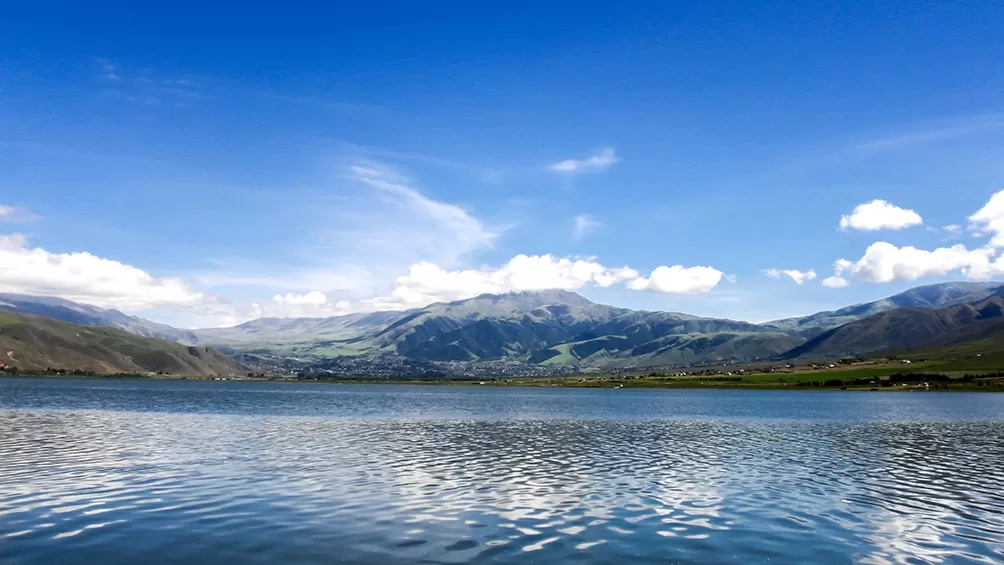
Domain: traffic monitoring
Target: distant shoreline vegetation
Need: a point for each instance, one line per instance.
(851, 380)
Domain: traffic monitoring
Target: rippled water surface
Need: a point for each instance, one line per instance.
(104, 471)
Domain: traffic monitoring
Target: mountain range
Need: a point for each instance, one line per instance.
(563, 329)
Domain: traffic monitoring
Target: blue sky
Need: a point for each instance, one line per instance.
(192, 164)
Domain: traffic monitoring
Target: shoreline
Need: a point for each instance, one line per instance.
(990, 385)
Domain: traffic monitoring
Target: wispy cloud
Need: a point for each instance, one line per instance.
(867, 145)
(485, 174)
(108, 71)
(594, 164)
(454, 230)
(933, 131)
(584, 225)
(16, 215)
(358, 235)
(146, 87)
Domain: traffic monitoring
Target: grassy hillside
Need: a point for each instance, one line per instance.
(37, 343)
(928, 296)
(562, 329)
(75, 313)
(552, 328)
(910, 328)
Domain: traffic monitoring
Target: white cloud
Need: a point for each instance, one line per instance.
(679, 280)
(583, 225)
(12, 214)
(884, 262)
(989, 219)
(426, 283)
(311, 304)
(835, 282)
(311, 298)
(88, 279)
(799, 277)
(599, 162)
(880, 215)
(953, 228)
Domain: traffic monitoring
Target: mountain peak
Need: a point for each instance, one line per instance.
(526, 299)
(552, 296)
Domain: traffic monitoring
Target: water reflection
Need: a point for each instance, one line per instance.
(123, 485)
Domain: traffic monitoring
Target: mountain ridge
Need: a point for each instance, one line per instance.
(73, 312)
(908, 329)
(550, 328)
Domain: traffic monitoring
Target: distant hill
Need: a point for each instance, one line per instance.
(562, 329)
(31, 342)
(559, 328)
(75, 313)
(927, 296)
(910, 329)
(549, 328)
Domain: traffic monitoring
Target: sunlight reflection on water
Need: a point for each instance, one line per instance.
(120, 472)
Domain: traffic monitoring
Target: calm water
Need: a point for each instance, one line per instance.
(100, 471)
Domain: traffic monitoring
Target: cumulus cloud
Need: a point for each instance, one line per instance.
(989, 220)
(13, 214)
(880, 215)
(884, 262)
(597, 163)
(799, 277)
(86, 278)
(583, 225)
(311, 298)
(835, 282)
(679, 280)
(426, 283)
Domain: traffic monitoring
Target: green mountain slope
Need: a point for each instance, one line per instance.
(927, 296)
(560, 328)
(551, 328)
(75, 313)
(31, 342)
(910, 328)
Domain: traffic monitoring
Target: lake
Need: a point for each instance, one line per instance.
(132, 471)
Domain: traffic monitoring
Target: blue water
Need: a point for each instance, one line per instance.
(108, 471)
